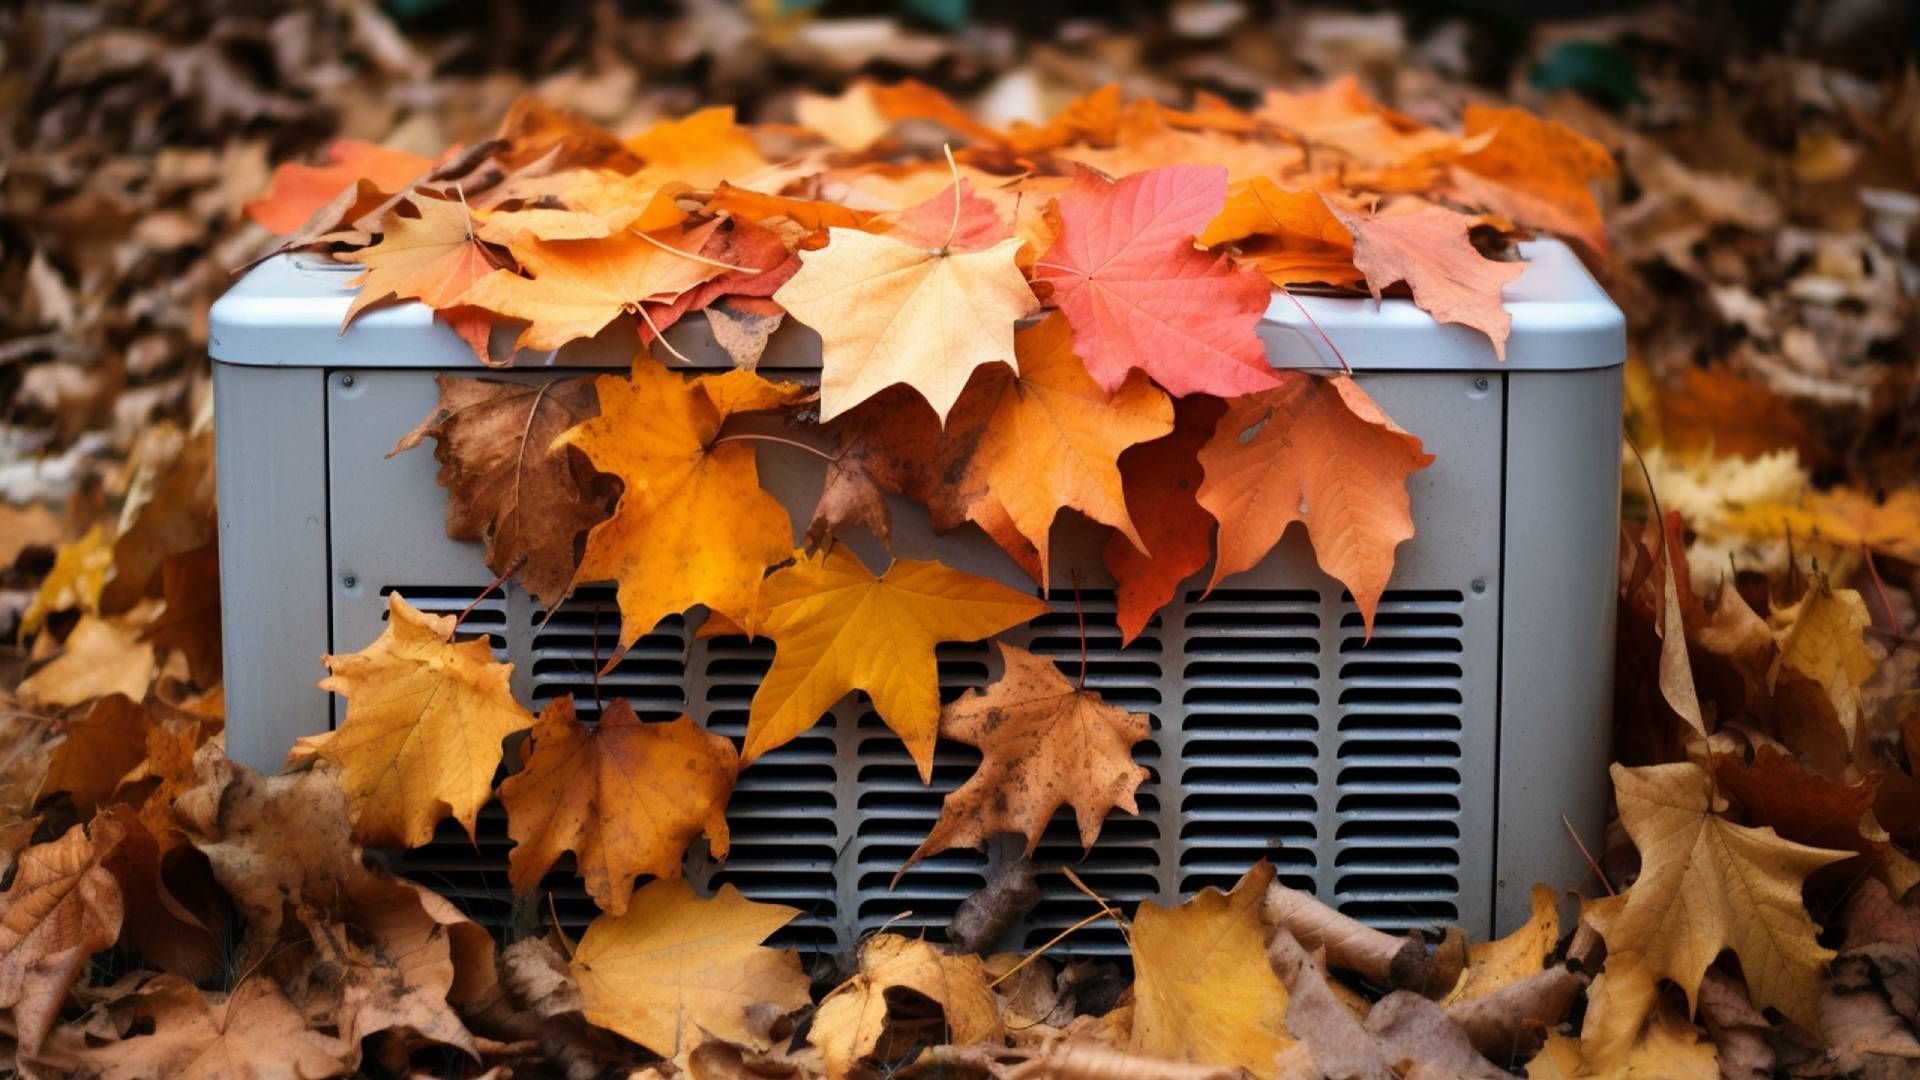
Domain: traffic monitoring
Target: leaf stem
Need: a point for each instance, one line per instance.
(954, 229)
(488, 591)
(664, 246)
(751, 436)
(1316, 326)
(1080, 614)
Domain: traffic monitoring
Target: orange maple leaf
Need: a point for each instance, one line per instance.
(432, 258)
(837, 628)
(625, 796)
(1045, 743)
(1318, 451)
(1125, 272)
(1161, 479)
(297, 190)
(1537, 172)
(1429, 250)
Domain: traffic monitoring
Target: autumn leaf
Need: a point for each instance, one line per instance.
(100, 746)
(700, 149)
(1777, 791)
(579, 286)
(1705, 884)
(296, 190)
(1429, 250)
(62, 907)
(79, 572)
(253, 1031)
(1138, 294)
(838, 628)
(423, 730)
(1044, 744)
(962, 221)
(189, 623)
(1668, 1048)
(1203, 990)
(852, 1020)
(761, 265)
(101, 656)
(507, 484)
(675, 965)
(1823, 655)
(693, 525)
(888, 311)
(432, 258)
(625, 796)
(1050, 438)
(1288, 235)
(850, 120)
(1161, 480)
(1537, 172)
(1493, 966)
(1318, 451)
(1341, 116)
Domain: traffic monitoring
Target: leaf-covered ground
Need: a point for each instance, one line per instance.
(1753, 911)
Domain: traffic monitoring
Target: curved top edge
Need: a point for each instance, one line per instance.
(287, 312)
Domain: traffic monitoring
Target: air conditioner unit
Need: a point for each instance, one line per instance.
(1429, 776)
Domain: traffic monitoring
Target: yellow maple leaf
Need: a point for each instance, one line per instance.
(425, 720)
(675, 966)
(1493, 966)
(625, 796)
(890, 312)
(579, 286)
(1202, 988)
(432, 258)
(1668, 1048)
(1706, 884)
(850, 1022)
(702, 148)
(1050, 438)
(101, 656)
(693, 525)
(837, 628)
(79, 572)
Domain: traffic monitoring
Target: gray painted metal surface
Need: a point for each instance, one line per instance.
(1415, 780)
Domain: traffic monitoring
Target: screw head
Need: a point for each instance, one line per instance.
(1478, 384)
(1479, 585)
(347, 380)
(349, 581)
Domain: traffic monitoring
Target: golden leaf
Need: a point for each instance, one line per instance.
(852, 1020)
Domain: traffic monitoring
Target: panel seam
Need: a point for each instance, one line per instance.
(1500, 655)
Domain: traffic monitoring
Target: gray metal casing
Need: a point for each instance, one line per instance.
(1417, 780)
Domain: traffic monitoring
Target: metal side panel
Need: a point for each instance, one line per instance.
(1562, 535)
(271, 451)
(1363, 770)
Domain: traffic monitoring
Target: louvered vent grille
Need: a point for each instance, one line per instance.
(1278, 732)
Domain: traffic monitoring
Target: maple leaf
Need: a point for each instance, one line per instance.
(297, 191)
(625, 796)
(1668, 1048)
(1288, 235)
(190, 621)
(837, 628)
(961, 221)
(1492, 966)
(579, 286)
(1044, 744)
(99, 748)
(1823, 656)
(851, 1020)
(1777, 791)
(423, 730)
(1318, 451)
(1537, 172)
(891, 312)
(168, 509)
(761, 264)
(1160, 480)
(1203, 991)
(101, 656)
(1341, 116)
(1429, 250)
(1139, 295)
(1050, 438)
(693, 525)
(1705, 885)
(79, 573)
(432, 258)
(506, 483)
(254, 1031)
(849, 496)
(675, 965)
(701, 149)
(62, 907)
(851, 120)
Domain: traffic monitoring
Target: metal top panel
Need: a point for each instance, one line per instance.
(287, 312)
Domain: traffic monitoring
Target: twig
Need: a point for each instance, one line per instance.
(484, 593)
(1080, 614)
(1051, 942)
(1337, 355)
(750, 436)
(1588, 855)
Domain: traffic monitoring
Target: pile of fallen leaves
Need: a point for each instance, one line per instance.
(168, 911)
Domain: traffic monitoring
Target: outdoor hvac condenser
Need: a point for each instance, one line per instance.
(1427, 777)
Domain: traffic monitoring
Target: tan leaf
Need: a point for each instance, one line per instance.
(1429, 250)
(62, 907)
(852, 1022)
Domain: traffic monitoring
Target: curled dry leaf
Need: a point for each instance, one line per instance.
(79, 573)
(425, 719)
(675, 966)
(252, 1032)
(837, 628)
(432, 258)
(1203, 990)
(1137, 293)
(190, 621)
(1339, 1045)
(507, 484)
(625, 796)
(101, 656)
(853, 1020)
(1667, 1047)
(1044, 744)
(1538, 172)
(1493, 966)
(1429, 250)
(1400, 962)
(297, 191)
(1161, 480)
(62, 907)
(101, 745)
(1318, 451)
(693, 525)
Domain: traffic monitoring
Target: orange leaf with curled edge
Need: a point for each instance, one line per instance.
(579, 286)
(1050, 438)
(693, 525)
(1317, 451)
(1045, 743)
(432, 258)
(625, 796)
(1429, 250)
(1538, 172)
(1288, 235)
(63, 906)
(1161, 479)
(426, 716)
(1138, 295)
(837, 628)
(297, 190)
(702, 149)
